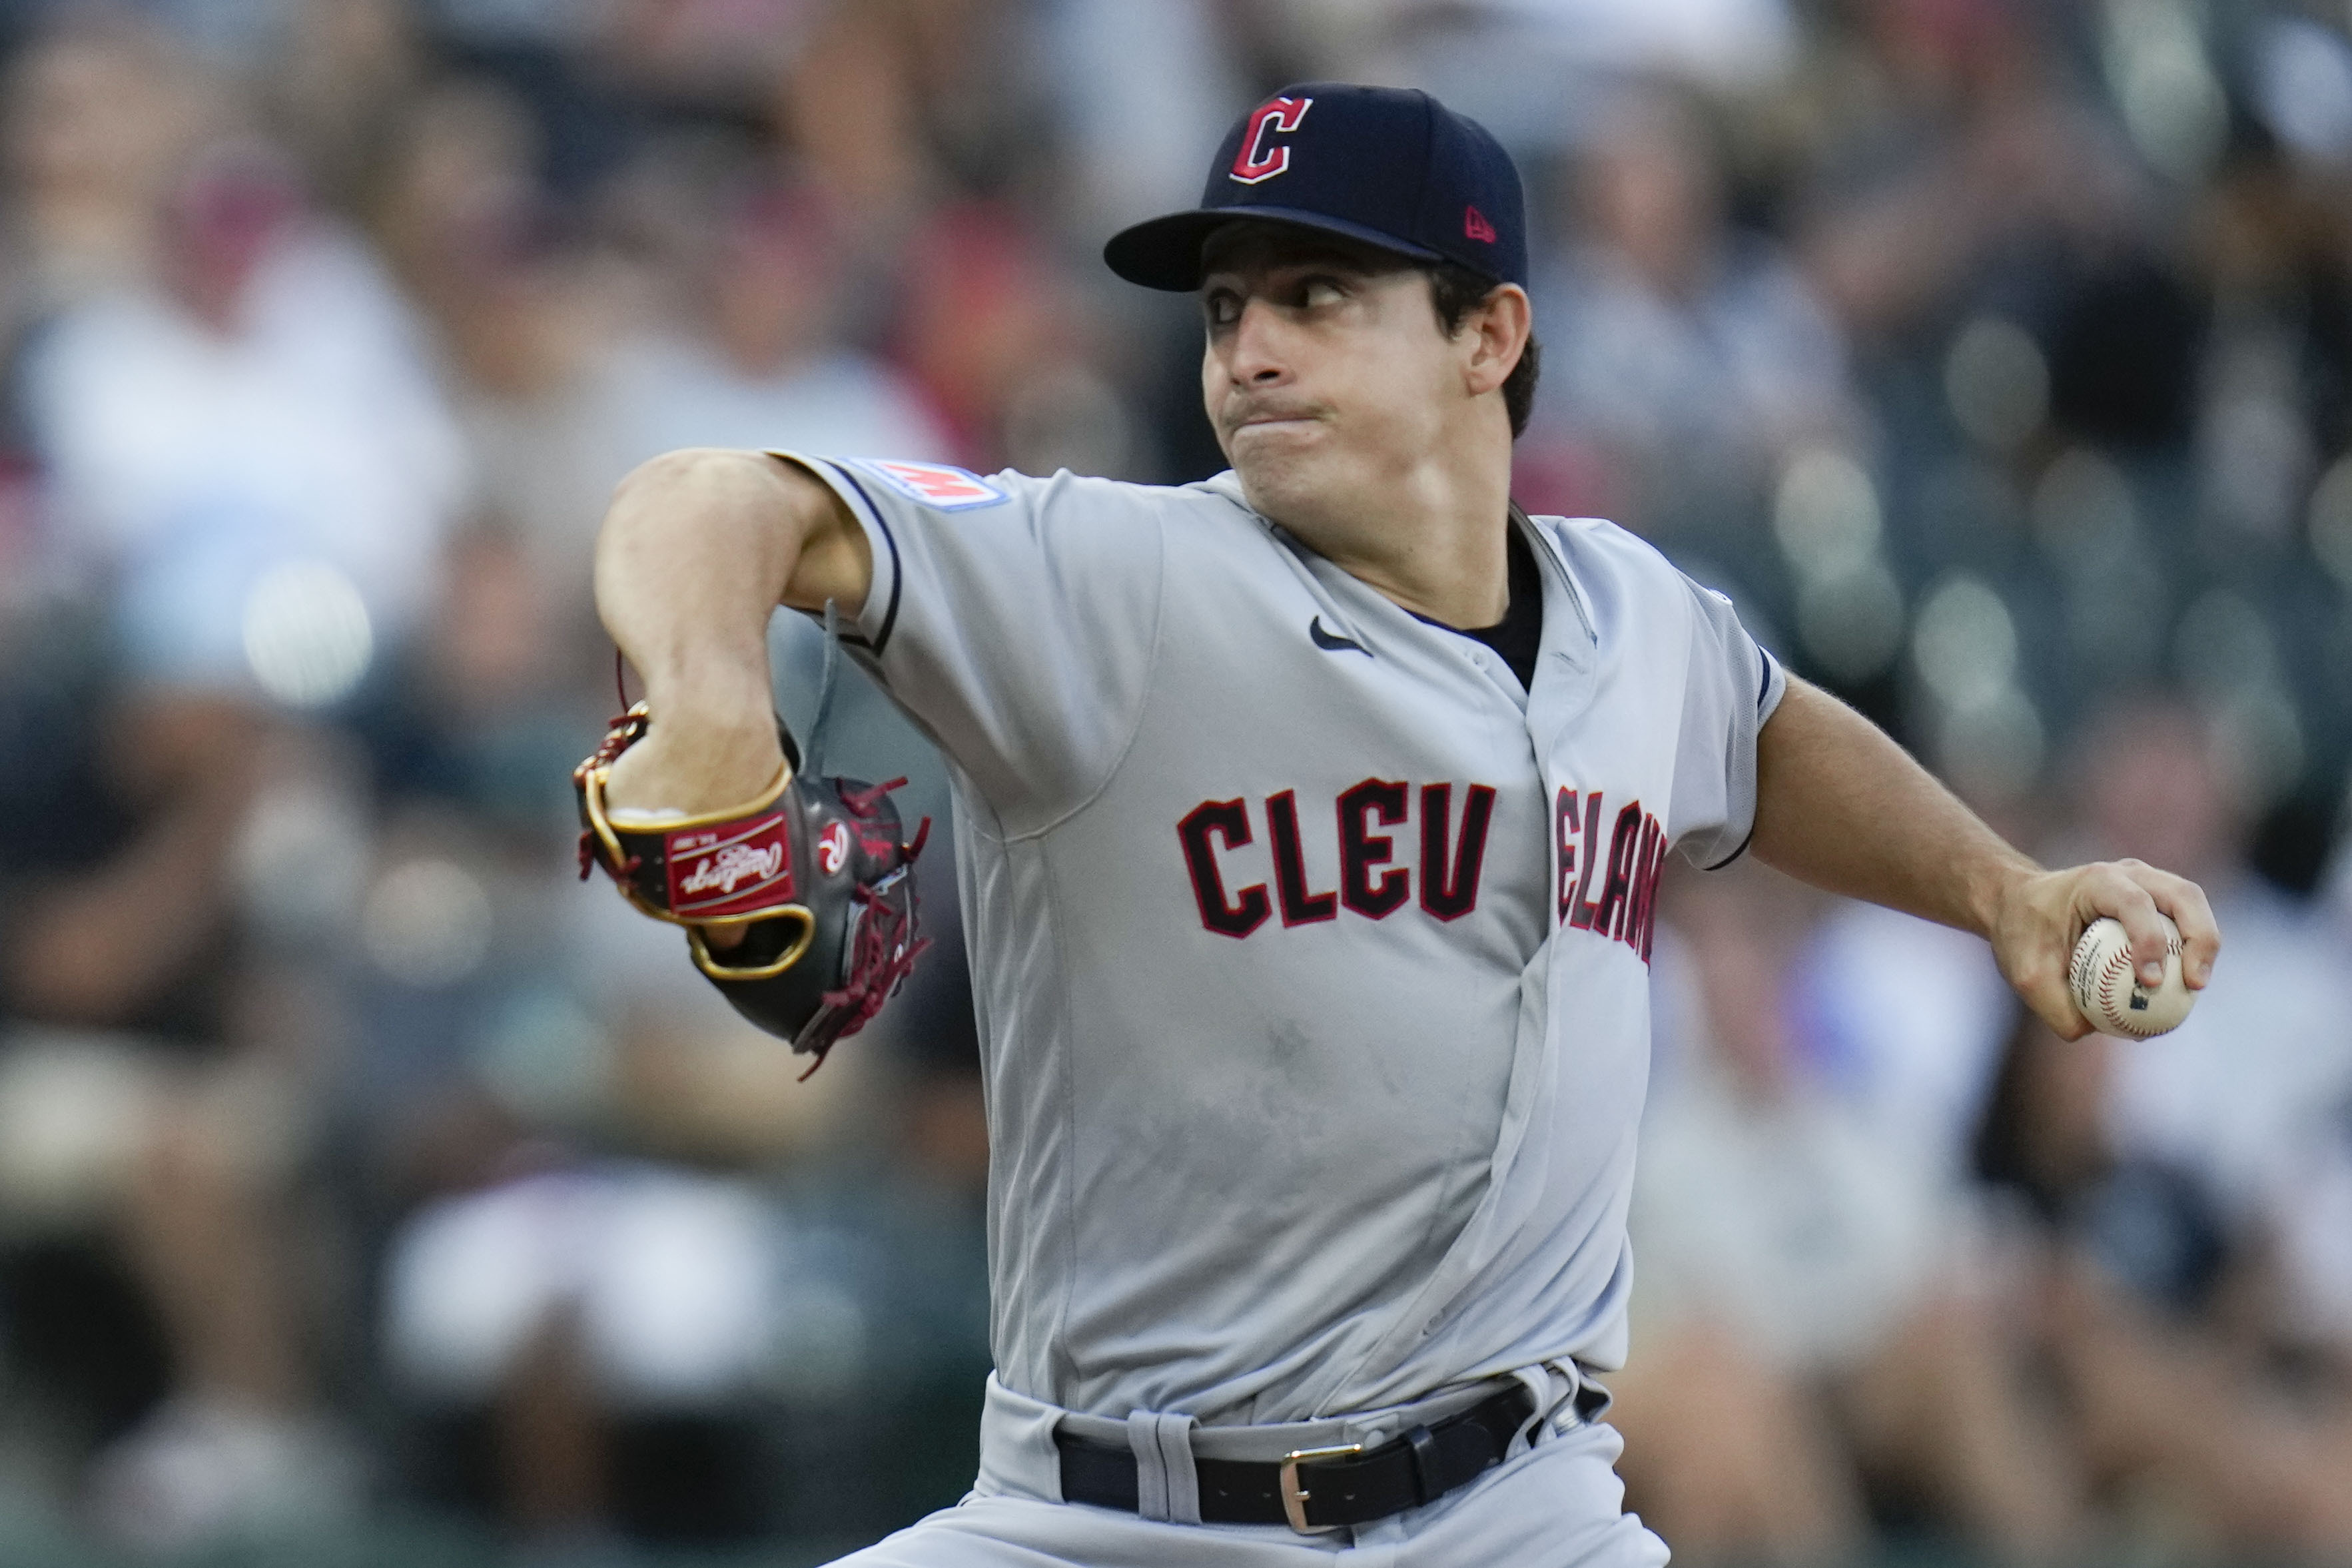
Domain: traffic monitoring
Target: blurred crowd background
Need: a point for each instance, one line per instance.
(369, 1191)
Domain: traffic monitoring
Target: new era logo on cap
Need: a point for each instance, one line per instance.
(1388, 166)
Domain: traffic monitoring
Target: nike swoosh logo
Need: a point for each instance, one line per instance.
(1332, 642)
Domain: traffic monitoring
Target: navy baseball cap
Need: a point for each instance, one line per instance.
(1389, 167)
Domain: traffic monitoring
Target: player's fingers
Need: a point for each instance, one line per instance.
(2200, 934)
(2112, 889)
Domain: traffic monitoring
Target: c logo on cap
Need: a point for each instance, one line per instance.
(1257, 161)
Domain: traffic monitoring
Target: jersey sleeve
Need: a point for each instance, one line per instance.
(1012, 618)
(1732, 688)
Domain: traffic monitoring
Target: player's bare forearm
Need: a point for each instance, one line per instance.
(1841, 806)
(697, 551)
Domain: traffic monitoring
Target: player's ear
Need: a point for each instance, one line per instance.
(1493, 336)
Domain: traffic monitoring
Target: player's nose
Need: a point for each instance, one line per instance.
(1256, 354)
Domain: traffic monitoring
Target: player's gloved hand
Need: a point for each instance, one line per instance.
(807, 878)
(2041, 915)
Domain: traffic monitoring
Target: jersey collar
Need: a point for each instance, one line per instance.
(1549, 558)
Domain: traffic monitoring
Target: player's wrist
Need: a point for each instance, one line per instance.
(703, 751)
(713, 697)
(1994, 888)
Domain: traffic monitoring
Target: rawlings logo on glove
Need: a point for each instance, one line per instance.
(811, 869)
(760, 858)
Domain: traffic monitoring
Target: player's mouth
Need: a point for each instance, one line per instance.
(1268, 421)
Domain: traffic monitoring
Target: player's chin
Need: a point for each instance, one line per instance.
(1275, 490)
(1280, 465)
(1274, 446)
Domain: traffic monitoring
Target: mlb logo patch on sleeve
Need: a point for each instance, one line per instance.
(937, 484)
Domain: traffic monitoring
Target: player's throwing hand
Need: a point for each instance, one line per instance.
(2041, 915)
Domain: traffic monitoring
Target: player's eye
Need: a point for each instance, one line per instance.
(1221, 307)
(1321, 291)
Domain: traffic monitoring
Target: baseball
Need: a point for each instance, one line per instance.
(2111, 997)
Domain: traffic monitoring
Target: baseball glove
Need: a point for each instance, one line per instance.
(811, 868)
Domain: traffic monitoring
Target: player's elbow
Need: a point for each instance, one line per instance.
(683, 472)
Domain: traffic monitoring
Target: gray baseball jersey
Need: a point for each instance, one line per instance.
(1309, 949)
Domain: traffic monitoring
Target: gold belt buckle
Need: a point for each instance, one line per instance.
(1294, 1501)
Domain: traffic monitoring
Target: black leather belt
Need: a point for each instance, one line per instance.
(1315, 1489)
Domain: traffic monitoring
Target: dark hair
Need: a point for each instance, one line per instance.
(1455, 290)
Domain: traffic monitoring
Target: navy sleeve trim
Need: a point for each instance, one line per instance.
(1736, 854)
(1763, 690)
(897, 571)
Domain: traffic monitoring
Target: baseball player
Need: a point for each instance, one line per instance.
(1309, 822)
